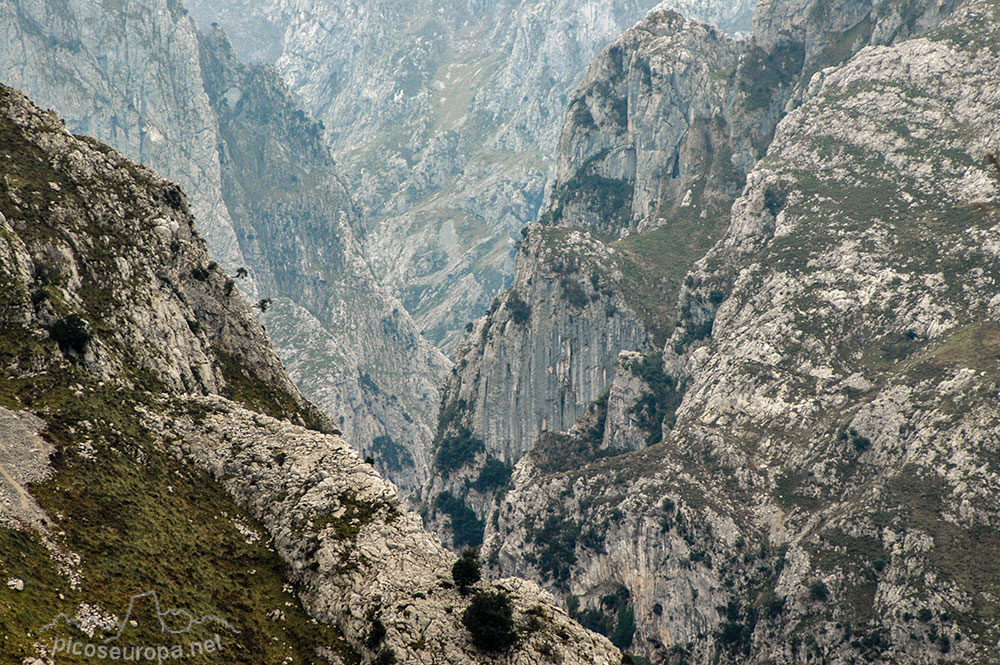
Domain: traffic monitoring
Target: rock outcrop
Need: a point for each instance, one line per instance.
(180, 458)
(349, 345)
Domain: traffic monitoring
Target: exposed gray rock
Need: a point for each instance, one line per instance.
(130, 77)
(444, 117)
(111, 309)
(347, 343)
(828, 476)
(25, 460)
(266, 195)
(354, 551)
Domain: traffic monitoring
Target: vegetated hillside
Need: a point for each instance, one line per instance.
(266, 195)
(816, 474)
(151, 442)
(445, 117)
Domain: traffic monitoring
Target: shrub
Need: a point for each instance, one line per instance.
(456, 451)
(819, 591)
(494, 475)
(465, 572)
(774, 605)
(490, 620)
(376, 635)
(200, 273)
(624, 630)
(71, 333)
(925, 615)
(574, 293)
(390, 454)
(520, 311)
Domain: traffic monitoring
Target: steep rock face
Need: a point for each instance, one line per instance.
(649, 133)
(735, 17)
(825, 489)
(348, 344)
(672, 116)
(526, 368)
(656, 146)
(130, 77)
(120, 344)
(265, 192)
(444, 114)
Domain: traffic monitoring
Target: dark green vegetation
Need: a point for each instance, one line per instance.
(465, 572)
(390, 454)
(614, 617)
(454, 445)
(555, 452)
(655, 409)
(490, 620)
(493, 476)
(456, 451)
(466, 528)
(519, 310)
(71, 334)
(607, 200)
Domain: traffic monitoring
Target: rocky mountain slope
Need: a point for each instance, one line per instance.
(349, 345)
(819, 483)
(657, 145)
(152, 443)
(266, 195)
(445, 116)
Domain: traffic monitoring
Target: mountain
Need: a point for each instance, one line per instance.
(796, 462)
(350, 346)
(266, 193)
(176, 455)
(444, 115)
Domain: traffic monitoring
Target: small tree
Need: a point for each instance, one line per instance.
(819, 591)
(263, 304)
(71, 333)
(466, 571)
(490, 620)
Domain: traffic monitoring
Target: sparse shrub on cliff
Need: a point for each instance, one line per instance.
(574, 293)
(490, 620)
(494, 475)
(818, 591)
(520, 311)
(391, 455)
(456, 451)
(465, 572)
(71, 333)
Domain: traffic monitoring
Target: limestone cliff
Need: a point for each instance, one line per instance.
(151, 442)
(445, 116)
(802, 400)
(349, 345)
(266, 195)
(824, 490)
